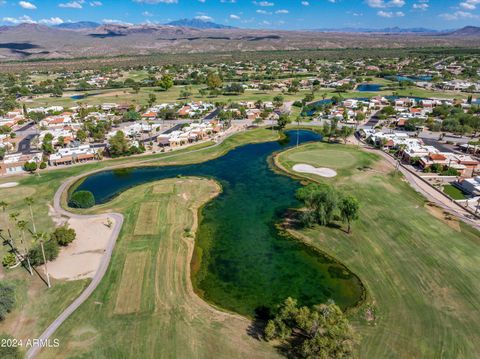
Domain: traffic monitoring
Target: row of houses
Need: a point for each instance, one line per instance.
(413, 150)
(189, 134)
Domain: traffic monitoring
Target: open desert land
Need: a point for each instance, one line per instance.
(419, 264)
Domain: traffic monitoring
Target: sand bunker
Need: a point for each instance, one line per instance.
(323, 172)
(8, 184)
(82, 257)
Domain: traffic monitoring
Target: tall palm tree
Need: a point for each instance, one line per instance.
(22, 225)
(13, 217)
(41, 237)
(4, 206)
(29, 201)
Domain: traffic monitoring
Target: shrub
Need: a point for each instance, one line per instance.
(7, 299)
(450, 172)
(30, 167)
(64, 235)
(9, 260)
(82, 199)
(43, 165)
(51, 252)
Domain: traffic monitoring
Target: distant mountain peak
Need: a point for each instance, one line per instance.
(198, 24)
(466, 31)
(79, 25)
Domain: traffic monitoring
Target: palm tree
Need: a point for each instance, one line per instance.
(29, 202)
(22, 225)
(41, 237)
(4, 206)
(13, 217)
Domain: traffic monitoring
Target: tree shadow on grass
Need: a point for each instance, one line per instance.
(257, 326)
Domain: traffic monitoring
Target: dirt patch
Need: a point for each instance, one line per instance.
(82, 257)
(130, 293)
(382, 166)
(147, 220)
(444, 216)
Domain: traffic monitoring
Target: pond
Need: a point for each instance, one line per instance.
(247, 265)
(369, 88)
(83, 96)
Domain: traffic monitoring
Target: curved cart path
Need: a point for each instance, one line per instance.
(102, 268)
(105, 261)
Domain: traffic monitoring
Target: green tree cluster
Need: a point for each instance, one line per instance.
(321, 332)
(82, 199)
(64, 235)
(50, 246)
(324, 205)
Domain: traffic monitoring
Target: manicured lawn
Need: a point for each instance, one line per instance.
(37, 306)
(145, 306)
(420, 266)
(454, 192)
(126, 95)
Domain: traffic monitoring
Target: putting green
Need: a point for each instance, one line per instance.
(328, 158)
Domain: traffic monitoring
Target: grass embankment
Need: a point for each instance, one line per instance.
(420, 266)
(145, 306)
(36, 305)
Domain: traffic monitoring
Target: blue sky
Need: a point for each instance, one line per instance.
(278, 14)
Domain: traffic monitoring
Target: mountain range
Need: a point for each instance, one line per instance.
(87, 39)
(198, 24)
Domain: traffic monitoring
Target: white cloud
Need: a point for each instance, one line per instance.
(19, 20)
(52, 21)
(95, 3)
(263, 3)
(234, 17)
(283, 11)
(385, 4)
(305, 3)
(470, 4)
(204, 18)
(421, 6)
(390, 14)
(263, 12)
(27, 5)
(72, 5)
(459, 15)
